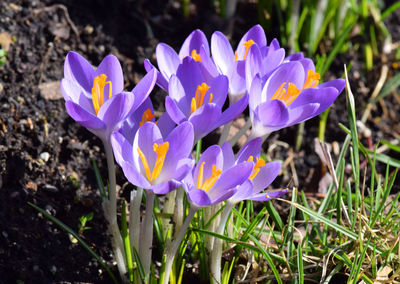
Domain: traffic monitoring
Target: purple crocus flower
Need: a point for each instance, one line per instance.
(291, 94)
(210, 183)
(195, 46)
(232, 64)
(94, 97)
(263, 174)
(152, 162)
(194, 98)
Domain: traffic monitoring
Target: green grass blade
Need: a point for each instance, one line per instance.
(67, 229)
(300, 267)
(99, 181)
(268, 259)
(125, 240)
(274, 215)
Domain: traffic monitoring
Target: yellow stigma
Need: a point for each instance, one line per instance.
(195, 55)
(99, 82)
(198, 99)
(260, 163)
(208, 183)
(286, 96)
(146, 117)
(161, 151)
(247, 44)
(312, 80)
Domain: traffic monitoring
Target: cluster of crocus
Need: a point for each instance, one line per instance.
(155, 152)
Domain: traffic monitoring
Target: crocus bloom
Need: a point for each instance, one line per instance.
(291, 94)
(262, 175)
(94, 97)
(210, 183)
(194, 98)
(152, 162)
(195, 46)
(232, 64)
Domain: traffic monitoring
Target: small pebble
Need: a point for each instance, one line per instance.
(53, 269)
(50, 188)
(45, 156)
(4, 233)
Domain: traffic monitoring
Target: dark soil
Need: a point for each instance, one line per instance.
(45, 156)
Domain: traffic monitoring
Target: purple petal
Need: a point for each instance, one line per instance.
(302, 113)
(234, 110)
(237, 81)
(256, 34)
(143, 89)
(195, 40)
(273, 60)
(111, 67)
(198, 197)
(166, 124)
(83, 117)
(266, 175)
(229, 156)
(230, 179)
(204, 120)
(165, 187)
(272, 113)
(243, 192)
(134, 176)
(178, 94)
(219, 88)
(255, 93)
(253, 64)
(222, 52)
(116, 109)
(173, 111)
(167, 60)
(294, 57)
(122, 148)
(190, 75)
(324, 97)
(338, 84)
(269, 195)
(161, 80)
(252, 148)
(77, 68)
(180, 145)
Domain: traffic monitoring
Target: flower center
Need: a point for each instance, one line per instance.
(286, 96)
(259, 163)
(312, 80)
(208, 183)
(198, 99)
(99, 83)
(161, 151)
(292, 92)
(195, 55)
(146, 117)
(247, 44)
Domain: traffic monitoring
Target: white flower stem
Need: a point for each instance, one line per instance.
(240, 133)
(146, 239)
(134, 217)
(174, 246)
(178, 217)
(110, 212)
(225, 133)
(216, 253)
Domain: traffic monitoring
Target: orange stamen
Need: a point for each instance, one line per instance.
(195, 55)
(161, 151)
(99, 83)
(146, 117)
(256, 169)
(208, 183)
(286, 96)
(198, 99)
(312, 79)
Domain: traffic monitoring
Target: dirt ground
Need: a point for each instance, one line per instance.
(45, 157)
